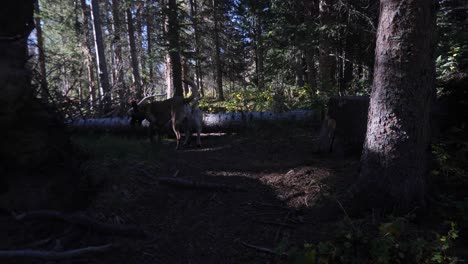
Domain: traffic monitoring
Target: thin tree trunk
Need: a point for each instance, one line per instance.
(41, 50)
(149, 33)
(89, 56)
(218, 66)
(259, 52)
(101, 58)
(174, 48)
(194, 15)
(396, 150)
(327, 62)
(118, 63)
(139, 29)
(133, 55)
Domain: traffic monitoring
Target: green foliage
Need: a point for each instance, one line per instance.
(270, 99)
(395, 242)
(448, 167)
(447, 64)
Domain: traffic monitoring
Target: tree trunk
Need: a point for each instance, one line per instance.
(199, 74)
(174, 48)
(327, 62)
(396, 148)
(118, 63)
(218, 66)
(34, 146)
(149, 33)
(40, 50)
(89, 56)
(133, 55)
(101, 58)
(259, 51)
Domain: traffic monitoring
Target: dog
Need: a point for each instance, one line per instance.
(187, 118)
(176, 109)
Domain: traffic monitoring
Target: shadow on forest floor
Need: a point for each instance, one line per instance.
(285, 187)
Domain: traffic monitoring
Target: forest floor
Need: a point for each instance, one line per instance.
(276, 188)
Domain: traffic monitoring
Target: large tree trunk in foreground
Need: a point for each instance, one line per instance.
(396, 148)
(33, 143)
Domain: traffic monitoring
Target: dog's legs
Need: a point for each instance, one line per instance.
(150, 132)
(177, 133)
(188, 134)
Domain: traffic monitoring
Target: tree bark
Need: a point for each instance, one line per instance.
(327, 62)
(89, 56)
(396, 149)
(218, 66)
(134, 56)
(101, 58)
(174, 48)
(34, 137)
(199, 73)
(259, 51)
(41, 52)
(118, 63)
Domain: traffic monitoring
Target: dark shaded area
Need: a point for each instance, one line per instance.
(350, 114)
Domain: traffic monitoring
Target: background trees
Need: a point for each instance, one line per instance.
(101, 54)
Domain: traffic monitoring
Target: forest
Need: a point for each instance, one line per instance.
(234, 131)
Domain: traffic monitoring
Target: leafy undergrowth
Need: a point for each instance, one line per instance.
(437, 235)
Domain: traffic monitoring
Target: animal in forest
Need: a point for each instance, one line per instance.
(177, 109)
(136, 116)
(188, 118)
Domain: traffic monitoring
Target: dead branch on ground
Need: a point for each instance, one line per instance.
(85, 222)
(55, 255)
(185, 183)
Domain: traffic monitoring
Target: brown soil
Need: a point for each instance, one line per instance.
(285, 185)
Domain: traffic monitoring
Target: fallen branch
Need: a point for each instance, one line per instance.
(184, 183)
(274, 223)
(83, 221)
(55, 255)
(263, 249)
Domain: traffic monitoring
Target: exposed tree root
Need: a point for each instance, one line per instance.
(85, 222)
(55, 255)
(185, 183)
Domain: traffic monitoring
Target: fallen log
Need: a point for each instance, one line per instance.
(85, 222)
(55, 255)
(211, 122)
(185, 183)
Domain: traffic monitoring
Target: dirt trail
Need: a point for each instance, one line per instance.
(283, 182)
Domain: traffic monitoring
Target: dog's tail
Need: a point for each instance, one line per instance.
(194, 89)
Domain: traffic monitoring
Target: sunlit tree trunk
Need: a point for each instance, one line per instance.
(396, 149)
(218, 65)
(101, 57)
(199, 73)
(89, 56)
(133, 55)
